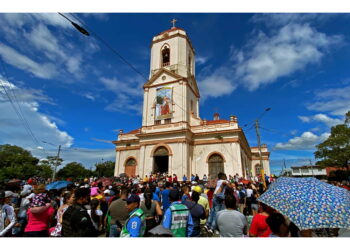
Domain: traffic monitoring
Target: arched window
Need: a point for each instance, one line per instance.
(216, 165)
(165, 56)
(130, 167)
(190, 64)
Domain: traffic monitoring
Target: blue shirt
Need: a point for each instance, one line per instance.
(184, 178)
(155, 197)
(157, 192)
(134, 225)
(165, 199)
(167, 220)
(184, 198)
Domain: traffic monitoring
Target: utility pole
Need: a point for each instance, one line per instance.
(57, 157)
(312, 168)
(260, 155)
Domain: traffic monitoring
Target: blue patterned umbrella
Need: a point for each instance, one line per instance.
(309, 203)
(58, 185)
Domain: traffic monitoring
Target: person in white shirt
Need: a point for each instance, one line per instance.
(7, 213)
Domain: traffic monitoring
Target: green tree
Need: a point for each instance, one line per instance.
(73, 170)
(51, 161)
(16, 162)
(12, 155)
(44, 169)
(335, 150)
(105, 169)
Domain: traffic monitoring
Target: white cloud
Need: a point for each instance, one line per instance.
(306, 141)
(215, 84)
(335, 101)
(12, 129)
(41, 70)
(294, 132)
(280, 19)
(321, 118)
(48, 40)
(128, 94)
(201, 60)
(292, 48)
(89, 96)
(88, 157)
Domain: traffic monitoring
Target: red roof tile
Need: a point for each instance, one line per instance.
(172, 29)
(135, 131)
(217, 122)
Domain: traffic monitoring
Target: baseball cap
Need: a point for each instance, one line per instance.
(133, 198)
(197, 189)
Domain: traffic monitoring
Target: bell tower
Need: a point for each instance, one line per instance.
(172, 50)
(171, 94)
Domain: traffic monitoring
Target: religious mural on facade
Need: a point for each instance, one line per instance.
(164, 102)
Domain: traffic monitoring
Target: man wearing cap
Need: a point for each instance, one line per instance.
(7, 213)
(204, 203)
(177, 217)
(135, 225)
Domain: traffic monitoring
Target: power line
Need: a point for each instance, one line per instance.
(106, 44)
(18, 111)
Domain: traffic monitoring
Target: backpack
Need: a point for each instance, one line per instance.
(241, 197)
(66, 227)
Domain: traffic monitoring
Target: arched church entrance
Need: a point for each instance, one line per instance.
(257, 170)
(216, 165)
(130, 167)
(161, 160)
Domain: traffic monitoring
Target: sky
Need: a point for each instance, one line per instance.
(75, 92)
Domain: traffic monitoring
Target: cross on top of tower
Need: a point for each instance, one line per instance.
(173, 22)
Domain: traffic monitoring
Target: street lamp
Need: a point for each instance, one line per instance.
(77, 26)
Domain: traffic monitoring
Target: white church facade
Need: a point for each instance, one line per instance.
(173, 138)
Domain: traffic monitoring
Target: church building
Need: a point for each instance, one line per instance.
(173, 138)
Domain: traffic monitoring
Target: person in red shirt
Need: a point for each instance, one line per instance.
(175, 178)
(38, 223)
(210, 195)
(259, 227)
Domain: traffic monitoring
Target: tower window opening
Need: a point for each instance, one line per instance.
(165, 57)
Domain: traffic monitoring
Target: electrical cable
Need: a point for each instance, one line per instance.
(107, 45)
(18, 111)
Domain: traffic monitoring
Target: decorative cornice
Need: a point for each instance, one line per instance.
(172, 36)
(217, 141)
(127, 148)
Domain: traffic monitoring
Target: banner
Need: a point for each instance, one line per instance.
(164, 100)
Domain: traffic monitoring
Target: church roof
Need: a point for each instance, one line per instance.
(217, 122)
(159, 73)
(135, 131)
(172, 29)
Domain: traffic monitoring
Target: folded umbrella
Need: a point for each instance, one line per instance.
(309, 203)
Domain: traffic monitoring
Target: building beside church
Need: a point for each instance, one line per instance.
(173, 138)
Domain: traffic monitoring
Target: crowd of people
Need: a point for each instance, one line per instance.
(154, 206)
